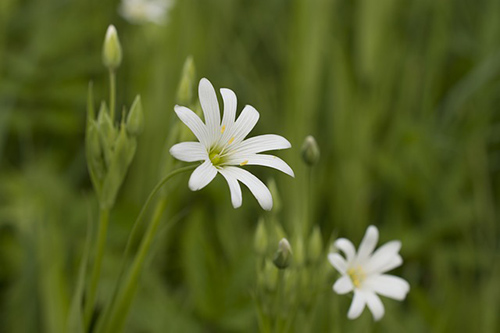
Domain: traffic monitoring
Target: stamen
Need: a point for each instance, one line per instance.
(231, 140)
(244, 162)
(222, 129)
(357, 276)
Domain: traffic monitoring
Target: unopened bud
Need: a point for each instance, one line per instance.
(310, 151)
(94, 153)
(315, 246)
(94, 146)
(135, 118)
(123, 153)
(112, 50)
(260, 240)
(185, 90)
(283, 256)
(107, 133)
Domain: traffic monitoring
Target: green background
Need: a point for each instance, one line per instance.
(402, 97)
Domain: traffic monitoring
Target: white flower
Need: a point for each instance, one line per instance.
(364, 271)
(144, 11)
(222, 146)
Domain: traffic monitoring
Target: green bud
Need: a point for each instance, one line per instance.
(123, 153)
(135, 118)
(186, 85)
(315, 246)
(93, 147)
(310, 151)
(283, 256)
(107, 133)
(260, 240)
(271, 184)
(112, 50)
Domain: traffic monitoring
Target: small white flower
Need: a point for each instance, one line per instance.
(222, 146)
(144, 11)
(364, 271)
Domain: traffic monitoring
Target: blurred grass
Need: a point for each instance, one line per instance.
(403, 100)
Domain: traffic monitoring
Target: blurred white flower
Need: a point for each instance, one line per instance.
(223, 148)
(144, 11)
(364, 271)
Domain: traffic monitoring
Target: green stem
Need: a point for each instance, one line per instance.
(280, 296)
(112, 93)
(114, 317)
(96, 271)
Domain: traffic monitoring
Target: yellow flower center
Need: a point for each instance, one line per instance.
(357, 275)
(218, 153)
(215, 158)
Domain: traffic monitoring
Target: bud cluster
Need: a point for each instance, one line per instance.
(110, 147)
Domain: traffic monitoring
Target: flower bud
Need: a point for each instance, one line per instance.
(112, 50)
(283, 256)
(310, 151)
(107, 133)
(92, 141)
(123, 154)
(185, 90)
(260, 240)
(135, 118)
(315, 246)
(94, 153)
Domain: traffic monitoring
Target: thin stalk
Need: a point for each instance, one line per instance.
(114, 317)
(112, 93)
(96, 270)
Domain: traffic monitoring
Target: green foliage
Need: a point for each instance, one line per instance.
(401, 96)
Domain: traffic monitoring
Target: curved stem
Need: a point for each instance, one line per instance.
(96, 271)
(125, 291)
(148, 201)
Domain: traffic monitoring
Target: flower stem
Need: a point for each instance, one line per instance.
(114, 317)
(112, 93)
(96, 271)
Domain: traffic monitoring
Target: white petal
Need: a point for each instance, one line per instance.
(395, 261)
(230, 103)
(210, 106)
(347, 247)
(343, 285)
(383, 256)
(234, 187)
(367, 245)
(357, 305)
(202, 176)
(189, 151)
(194, 123)
(375, 305)
(261, 159)
(243, 125)
(262, 143)
(388, 285)
(254, 184)
(338, 262)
